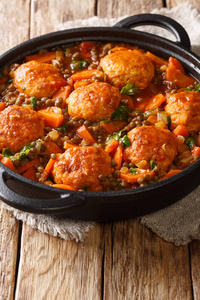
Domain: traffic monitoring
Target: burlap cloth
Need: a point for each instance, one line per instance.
(179, 223)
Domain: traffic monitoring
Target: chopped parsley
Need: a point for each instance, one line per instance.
(121, 113)
(126, 141)
(62, 128)
(119, 136)
(196, 89)
(34, 102)
(85, 188)
(152, 165)
(78, 64)
(190, 142)
(24, 152)
(133, 171)
(130, 89)
(7, 152)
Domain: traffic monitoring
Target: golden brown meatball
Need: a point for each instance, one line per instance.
(38, 79)
(184, 109)
(151, 143)
(123, 67)
(80, 167)
(19, 126)
(94, 102)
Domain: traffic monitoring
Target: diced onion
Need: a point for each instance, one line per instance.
(54, 135)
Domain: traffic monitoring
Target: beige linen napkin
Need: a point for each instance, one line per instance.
(179, 223)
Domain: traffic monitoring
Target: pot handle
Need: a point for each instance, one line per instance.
(158, 20)
(62, 203)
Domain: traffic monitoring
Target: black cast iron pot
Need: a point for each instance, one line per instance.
(27, 195)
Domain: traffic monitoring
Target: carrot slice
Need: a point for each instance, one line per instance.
(68, 145)
(64, 93)
(30, 173)
(112, 146)
(29, 164)
(2, 106)
(51, 147)
(171, 173)
(84, 133)
(8, 163)
(118, 157)
(43, 57)
(113, 126)
(175, 72)
(152, 119)
(196, 151)
(52, 116)
(48, 168)
(155, 101)
(181, 130)
(156, 59)
(63, 186)
(132, 178)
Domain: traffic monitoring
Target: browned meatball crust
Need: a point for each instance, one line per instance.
(184, 109)
(80, 167)
(19, 126)
(151, 143)
(38, 79)
(133, 66)
(94, 102)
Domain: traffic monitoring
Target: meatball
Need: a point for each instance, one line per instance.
(38, 79)
(19, 126)
(151, 143)
(94, 102)
(184, 109)
(123, 67)
(80, 167)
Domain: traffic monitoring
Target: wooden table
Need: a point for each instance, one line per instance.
(121, 260)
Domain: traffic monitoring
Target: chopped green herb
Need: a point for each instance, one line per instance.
(190, 142)
(130, 89)
(125, 140)
(7, 152)
(152, 165)
(78, 64)
(196, 89)
(24, 152)
(168, 120)
(9, 81)
(62, 128)
(121, 113)
(133, 171)
(106, 121)
(34, 102)
(85, 188)
(23, 88)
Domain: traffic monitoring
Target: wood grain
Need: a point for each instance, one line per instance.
(116, 9)
(9, 233)
(51, 268)
(139, 265)
(172, 3)
(195, 268)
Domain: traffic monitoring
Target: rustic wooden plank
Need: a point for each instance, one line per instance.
(139, 265)
(51, 268)
(172, 3)
(9, 233)
(115, 9)
(14, 29)
(195, 267)
(46, 15)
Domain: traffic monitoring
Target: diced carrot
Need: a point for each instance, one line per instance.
(113, 126)
(4, 79)
(156, 59)
(155, 101)
(86, 74)
(81, 83)
(63, 186)
(64, 93)
(176, 73)
(48, 169)
(85, 49)
(29, 164)
(30, 173)
(152, 119)
(171, 173)
(84, 133)
(51, 147)
(53, 116)
(68, 145)
(8, 163)
(43, 57)
(181, 130)
(112, 146)
(118, 157)
(2, 106)
(196, 151)
(132, 178)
